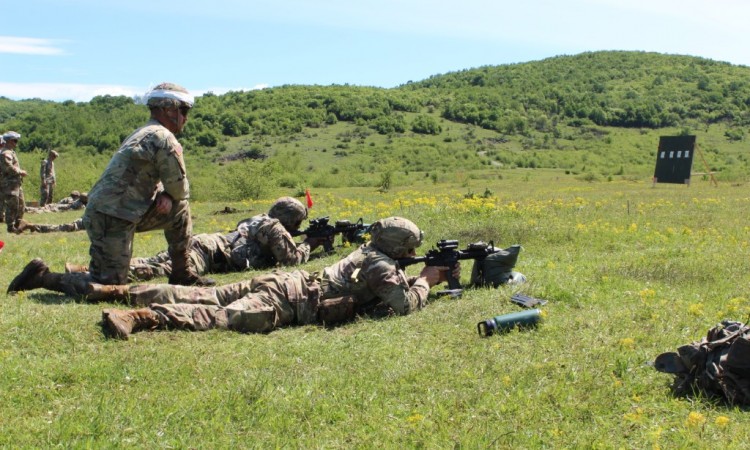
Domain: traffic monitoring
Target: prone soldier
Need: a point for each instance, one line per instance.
(263, 241)
(368, 276)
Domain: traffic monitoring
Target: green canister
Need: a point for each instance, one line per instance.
(505, 322)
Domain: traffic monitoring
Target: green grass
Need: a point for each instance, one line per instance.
(629, 270)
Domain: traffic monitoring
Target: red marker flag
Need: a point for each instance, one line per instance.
(309, 198)
(2, 244)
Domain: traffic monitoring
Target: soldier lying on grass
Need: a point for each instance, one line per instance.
(368, 276)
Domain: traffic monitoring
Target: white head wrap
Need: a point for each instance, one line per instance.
(11, 135)
(183, 97)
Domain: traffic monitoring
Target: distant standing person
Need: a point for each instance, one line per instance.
(48, 178)
(12, 178)
(2, 198)
(144, 187)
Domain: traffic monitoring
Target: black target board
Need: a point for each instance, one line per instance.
(674, 160)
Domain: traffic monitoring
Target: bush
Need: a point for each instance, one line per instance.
(425, 124)
(249, 179)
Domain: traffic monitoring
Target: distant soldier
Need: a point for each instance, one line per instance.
(73, 197)
(12, 178)
(2, 197)
(65, 204)
(48, 180)
(23, 225)
(262, 241)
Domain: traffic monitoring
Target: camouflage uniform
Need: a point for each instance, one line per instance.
(123, 202)
(57, 207)
(66, 227)
(284, 298)
(47, 180)
(60, 206)
(209, 253)
(2, 197)
(10, 189)
(263, 243)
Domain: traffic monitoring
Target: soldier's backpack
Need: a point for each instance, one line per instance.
(497, 269)
(717, 366)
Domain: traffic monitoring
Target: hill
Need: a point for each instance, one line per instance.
(596, 115)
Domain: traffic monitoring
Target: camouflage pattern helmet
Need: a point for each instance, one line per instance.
(169, 95)
(289, 211)
(75, 194)
(84, 197)
(396, 236)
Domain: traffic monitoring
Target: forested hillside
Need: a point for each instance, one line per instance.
(618, 89)
(597, 113)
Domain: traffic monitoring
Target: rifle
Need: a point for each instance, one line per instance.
(320, 228)
(447, 254)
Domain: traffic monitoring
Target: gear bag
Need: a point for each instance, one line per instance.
(497, 268)
(336, 310)
(718, 365)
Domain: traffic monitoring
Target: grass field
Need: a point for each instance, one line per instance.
(629, 270)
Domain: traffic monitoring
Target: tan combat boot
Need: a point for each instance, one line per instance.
(109, 293)
(75, 268)
(22, 226)
(119, 324)
(31, 277)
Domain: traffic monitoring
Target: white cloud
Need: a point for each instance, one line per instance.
(29, 46)
(64, 91)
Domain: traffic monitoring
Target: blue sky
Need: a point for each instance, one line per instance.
(76, 49)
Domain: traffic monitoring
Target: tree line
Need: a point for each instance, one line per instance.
(608, 88)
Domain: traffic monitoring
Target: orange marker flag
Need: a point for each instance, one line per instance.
(309, 198)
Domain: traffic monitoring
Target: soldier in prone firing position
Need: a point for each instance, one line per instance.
(368, 276)
(260, 242)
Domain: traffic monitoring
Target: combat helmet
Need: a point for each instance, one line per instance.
(167, 95)
(289, 211)
(11, 136)
(395, 236)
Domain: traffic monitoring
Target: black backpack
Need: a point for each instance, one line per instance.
(717, 366)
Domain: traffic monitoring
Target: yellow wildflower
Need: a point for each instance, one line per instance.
(695, 419)
(414, 418)
(722, 421)
(696, 309)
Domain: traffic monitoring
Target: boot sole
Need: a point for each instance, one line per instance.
(110, 328)
(34, 268)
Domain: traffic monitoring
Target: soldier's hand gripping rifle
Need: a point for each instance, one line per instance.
(320, 228)
(448, 254)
